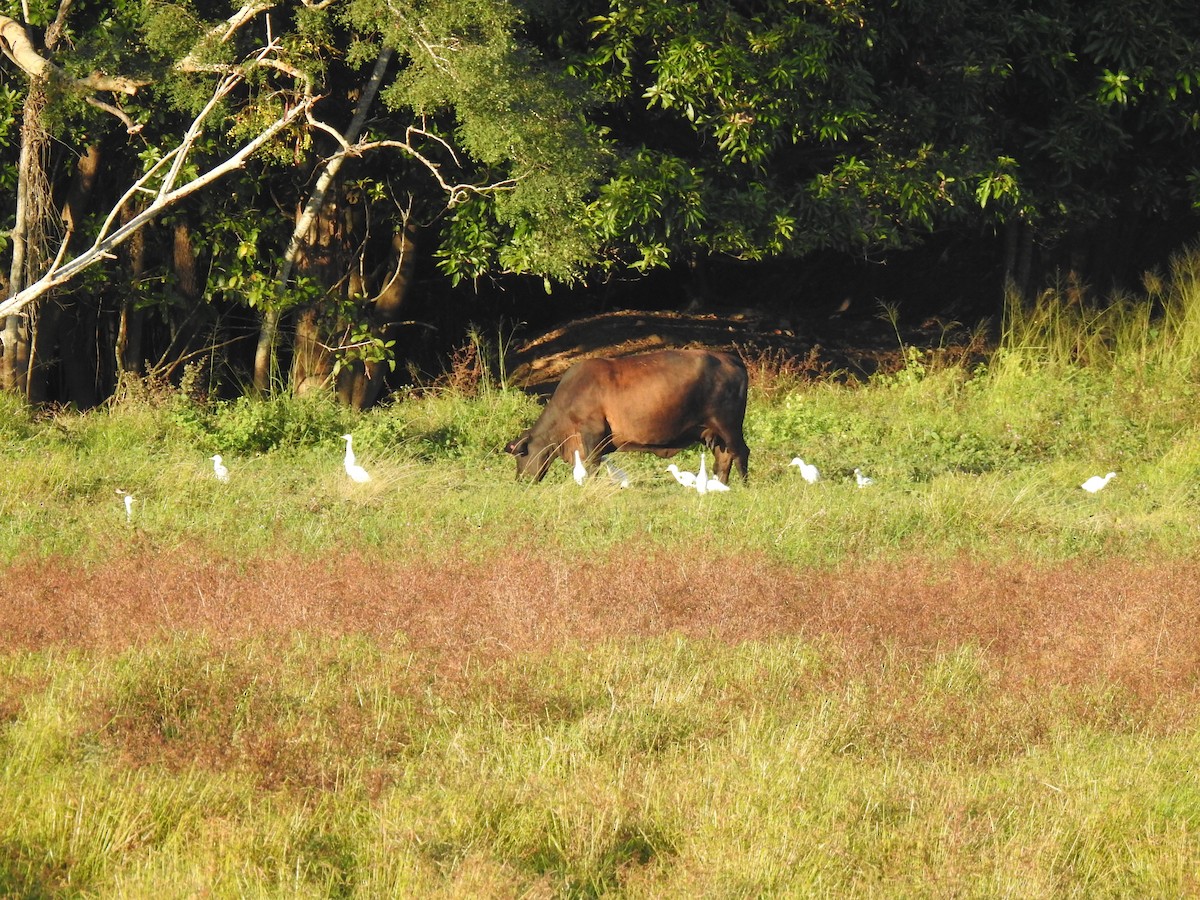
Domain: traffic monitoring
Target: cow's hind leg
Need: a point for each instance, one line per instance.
(741, 456)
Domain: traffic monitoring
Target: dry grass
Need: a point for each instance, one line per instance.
(1118, 621)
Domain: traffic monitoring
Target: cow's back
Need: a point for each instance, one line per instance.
(663, 398)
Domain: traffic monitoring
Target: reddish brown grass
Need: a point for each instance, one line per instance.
(1125, 622)
(1108, 644)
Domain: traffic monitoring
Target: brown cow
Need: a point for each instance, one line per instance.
(659, 402)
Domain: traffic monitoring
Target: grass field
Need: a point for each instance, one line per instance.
(971, 679)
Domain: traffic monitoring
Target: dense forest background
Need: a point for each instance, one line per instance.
(296, 195)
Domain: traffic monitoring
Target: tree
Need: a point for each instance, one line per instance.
(562, 141)
(463, 94)
(30, 234)
(782, 127)
(167, 178)
(475, 118)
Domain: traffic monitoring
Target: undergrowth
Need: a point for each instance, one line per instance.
(970, 457)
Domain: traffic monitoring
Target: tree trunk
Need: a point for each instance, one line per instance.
(188, 334)
(128, 356)
(1018, 257)
(16, 355)
(63, 328)
(312, 365)
(33, 213)
(265, 363)
(359, 385)
(321, 256)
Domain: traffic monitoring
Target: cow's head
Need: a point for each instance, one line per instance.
(533, 456)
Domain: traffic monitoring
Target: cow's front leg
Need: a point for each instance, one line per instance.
(582, 448)
(593, 441)
(730, 451)
(723, 463)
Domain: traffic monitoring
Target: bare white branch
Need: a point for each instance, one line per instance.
(222, 90)
(131, 127)
(108, 239)
(456, 193)
(21, 51)
(225, 30)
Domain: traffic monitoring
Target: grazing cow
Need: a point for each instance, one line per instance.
(659, 402)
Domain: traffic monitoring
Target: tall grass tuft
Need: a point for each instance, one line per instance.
(1144, 337)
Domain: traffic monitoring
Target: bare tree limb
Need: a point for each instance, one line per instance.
(455, 192)
(334, 163)
(54, 31)
(131, 127)
(222, 32)
(21, 51)
(109, 238)
(264, 353)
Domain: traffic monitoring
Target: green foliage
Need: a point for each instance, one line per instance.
(477, 85)
(472, 242)
(566, 140)
(16, 420)
(866, 125)
(246, 425)
(443, 425)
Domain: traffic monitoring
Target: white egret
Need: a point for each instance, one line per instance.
(705, 484)
(1096, 483)
(356, 472)
(129, 501)
(580, 471)
(219, 469)
(616, 474)
(863, 480)
(702, 476)
(687, 479)
(807, 471)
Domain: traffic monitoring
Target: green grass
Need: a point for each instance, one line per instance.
(306, 764)
(959, 469)
(984, 461)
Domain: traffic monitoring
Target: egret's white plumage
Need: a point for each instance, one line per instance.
(702, 476)
(1096, 483)
(704, 484)
(219, 468)
(356, 472)
(580, 471)
(807, 470)
(687, 479)
(863, 480)
(716, 486)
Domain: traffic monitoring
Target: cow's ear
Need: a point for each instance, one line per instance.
(519, 447)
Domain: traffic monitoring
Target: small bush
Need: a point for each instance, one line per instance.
(249, 425)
